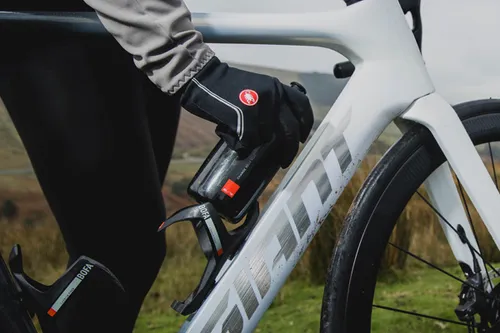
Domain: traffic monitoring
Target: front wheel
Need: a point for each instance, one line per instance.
(351, 303)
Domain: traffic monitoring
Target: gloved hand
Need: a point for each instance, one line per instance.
(249, 108)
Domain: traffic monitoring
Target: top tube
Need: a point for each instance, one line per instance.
(406, 5)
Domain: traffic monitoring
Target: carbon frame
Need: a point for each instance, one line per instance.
(390, 82)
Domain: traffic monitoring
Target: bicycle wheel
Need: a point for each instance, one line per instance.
(13, 317)
(354, 271)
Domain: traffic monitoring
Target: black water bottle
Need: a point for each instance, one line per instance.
(233, 183)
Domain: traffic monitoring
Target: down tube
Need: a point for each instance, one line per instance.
(290, 221)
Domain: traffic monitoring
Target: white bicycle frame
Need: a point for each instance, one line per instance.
(391, 82)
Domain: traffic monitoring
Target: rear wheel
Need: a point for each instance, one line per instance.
(350, 295)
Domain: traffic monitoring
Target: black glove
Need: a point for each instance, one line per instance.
(249, 108)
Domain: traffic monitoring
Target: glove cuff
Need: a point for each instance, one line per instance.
(209, 67)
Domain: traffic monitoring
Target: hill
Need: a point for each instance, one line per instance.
(322, 89)
(12, 153)
(196, 136)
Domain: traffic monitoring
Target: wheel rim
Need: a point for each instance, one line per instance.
(361, 290)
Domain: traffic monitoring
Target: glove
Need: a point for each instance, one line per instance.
(249, 108)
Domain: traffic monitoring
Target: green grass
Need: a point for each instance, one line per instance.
(296, 309)
(426, 291)
(297, 306)
(178, 171)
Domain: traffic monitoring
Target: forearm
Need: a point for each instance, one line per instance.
(160, 36)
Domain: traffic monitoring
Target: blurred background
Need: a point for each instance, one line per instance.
(462, 58)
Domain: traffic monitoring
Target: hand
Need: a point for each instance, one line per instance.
(249, 108)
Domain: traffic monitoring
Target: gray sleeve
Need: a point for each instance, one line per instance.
(159, 35)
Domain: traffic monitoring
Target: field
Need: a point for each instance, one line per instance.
(25, 218)
(404, 283)
(297, 307)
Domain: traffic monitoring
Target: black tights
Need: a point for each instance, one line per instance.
(99, 135)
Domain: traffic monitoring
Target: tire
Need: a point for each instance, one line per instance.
(352, 274)
(13, 316)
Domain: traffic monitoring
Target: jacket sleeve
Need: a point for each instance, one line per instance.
(159, 35)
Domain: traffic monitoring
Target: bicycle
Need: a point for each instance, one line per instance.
(388, 82)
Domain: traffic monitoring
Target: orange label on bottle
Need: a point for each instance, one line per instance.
(230, 188)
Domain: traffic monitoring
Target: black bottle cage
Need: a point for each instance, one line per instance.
(217, 243)
(45, 301)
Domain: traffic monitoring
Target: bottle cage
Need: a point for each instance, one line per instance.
(52, 304)
(217, 243)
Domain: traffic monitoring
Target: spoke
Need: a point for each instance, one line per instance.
(453, 228)
(419, 315)
(493, 165)
(470, 329)
(441, 270)
(496, 184)
(469, 217)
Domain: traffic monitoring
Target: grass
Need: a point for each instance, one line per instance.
(423, 290)
(297, 307)
(45, 257)
(296, 297)
(177, 171)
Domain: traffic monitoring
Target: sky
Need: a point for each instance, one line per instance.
(461, 43)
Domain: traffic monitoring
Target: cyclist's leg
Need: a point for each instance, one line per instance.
(82, 116)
